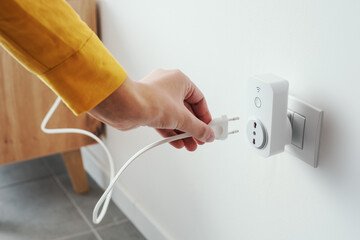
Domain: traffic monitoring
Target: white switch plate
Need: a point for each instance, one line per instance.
(313, 124)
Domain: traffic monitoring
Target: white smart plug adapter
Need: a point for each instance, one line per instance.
(268, 128)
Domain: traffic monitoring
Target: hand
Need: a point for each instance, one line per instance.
(166, 100)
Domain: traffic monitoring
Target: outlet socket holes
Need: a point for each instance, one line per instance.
(256, 133)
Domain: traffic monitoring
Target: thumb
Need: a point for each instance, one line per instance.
(198, 129)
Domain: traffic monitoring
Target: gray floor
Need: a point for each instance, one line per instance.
(37, 202)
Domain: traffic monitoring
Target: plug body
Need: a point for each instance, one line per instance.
(220, 126)
(268, 128)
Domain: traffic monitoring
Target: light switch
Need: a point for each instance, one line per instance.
(298, 126)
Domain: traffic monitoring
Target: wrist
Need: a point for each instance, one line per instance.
(124, 108)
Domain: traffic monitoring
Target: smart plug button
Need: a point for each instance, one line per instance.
(257, 102)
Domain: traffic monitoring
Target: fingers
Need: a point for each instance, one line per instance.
(187, 105)
(169, 133)
(196, 100)
(190, 143)
(192, 125)
(183, 108)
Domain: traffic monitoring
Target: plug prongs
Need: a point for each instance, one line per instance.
(233, 132)
(233, 119)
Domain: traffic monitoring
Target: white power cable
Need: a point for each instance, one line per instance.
(106, 197)
(87, 133)
(219, 125)
(108, 190)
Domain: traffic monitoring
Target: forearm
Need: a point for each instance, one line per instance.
(50, 40)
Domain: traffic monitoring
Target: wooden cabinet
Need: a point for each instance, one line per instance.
(24, 101)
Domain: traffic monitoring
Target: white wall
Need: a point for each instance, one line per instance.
(224, 190)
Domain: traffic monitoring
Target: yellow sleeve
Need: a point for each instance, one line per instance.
(50, 40)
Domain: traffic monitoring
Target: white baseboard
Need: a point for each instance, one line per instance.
(123, 200)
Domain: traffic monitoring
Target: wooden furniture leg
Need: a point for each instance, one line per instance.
(75, 168)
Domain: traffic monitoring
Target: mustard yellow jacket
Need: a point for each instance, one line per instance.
(50, 40)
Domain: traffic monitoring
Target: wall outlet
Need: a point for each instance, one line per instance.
(306, 123)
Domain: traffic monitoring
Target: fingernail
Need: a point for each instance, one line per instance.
(211, 138)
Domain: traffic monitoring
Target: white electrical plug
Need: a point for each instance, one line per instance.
(220, 127)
